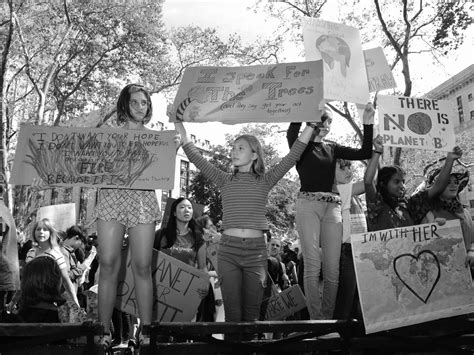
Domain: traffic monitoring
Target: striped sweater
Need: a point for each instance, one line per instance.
(52, 253)
(244, 195)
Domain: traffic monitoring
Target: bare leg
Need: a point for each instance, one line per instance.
(110, 236)
(141, 238)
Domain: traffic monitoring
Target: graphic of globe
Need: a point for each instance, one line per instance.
(419, 123)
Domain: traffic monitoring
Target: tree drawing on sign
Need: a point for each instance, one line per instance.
(419, 273)
(114, 161)
(334, 49)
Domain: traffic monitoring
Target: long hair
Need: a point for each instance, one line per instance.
(41, 281)
(258, 165)
(53, 233)
(123, 103)
(170, 231)
(384, 176)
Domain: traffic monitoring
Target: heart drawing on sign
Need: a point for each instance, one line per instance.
(419, 273)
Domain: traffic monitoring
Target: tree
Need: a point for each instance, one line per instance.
(419, 27)
(6, 34)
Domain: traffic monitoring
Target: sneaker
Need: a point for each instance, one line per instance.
(105, 341)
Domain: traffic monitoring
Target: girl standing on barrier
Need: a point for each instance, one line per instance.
(121, 211)
(318, 210)
(242, 256)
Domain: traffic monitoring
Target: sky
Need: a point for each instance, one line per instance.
(236, 16)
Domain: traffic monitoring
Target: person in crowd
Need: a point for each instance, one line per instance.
(447, 206)
(9, 265)
(276, 268)
(211, 237)
(182, 238)
(41, 284)
(46, 239)
(290, 258)
(318, 209)
(121, 211)
(74, 239)
(242, 257)
(353, 222)
(387, 205)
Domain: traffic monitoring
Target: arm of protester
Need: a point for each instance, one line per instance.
(201, 258)
(358, 188)
(443, 178)
(370, 172)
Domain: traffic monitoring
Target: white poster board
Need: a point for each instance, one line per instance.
(412, 275)
(339, 46)
(419, 123)
(95, 157)
(62, 216)
(260, 93)
(379, 75)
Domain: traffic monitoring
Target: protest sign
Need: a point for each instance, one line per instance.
(285, 303)
(339, 46)
(175, 288)
(379, 75)
(260, 93)
(412, 275)
(418, 123)
(97, 157)
(62, 216)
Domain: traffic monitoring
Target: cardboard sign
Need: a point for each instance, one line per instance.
(418, 123)
(175, 288)
(412, 275)
(379, 75)
(95, 157)
(339, 46)
(285, 303)
(62, 216)
(260, 93)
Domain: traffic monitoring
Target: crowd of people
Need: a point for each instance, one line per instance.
(250, 261)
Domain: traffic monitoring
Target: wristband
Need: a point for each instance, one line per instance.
(312, 125)
(378, 151)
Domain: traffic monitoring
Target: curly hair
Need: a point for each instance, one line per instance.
(123, 103)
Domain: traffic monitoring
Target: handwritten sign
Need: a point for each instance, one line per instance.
(339, 46)
(62, 216)
(99, 157)
(379, 75)
(412, 275)
(418, 123)
(285, 303)
(260, 93)
(175, 286)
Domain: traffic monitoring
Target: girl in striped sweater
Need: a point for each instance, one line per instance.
(242, 257)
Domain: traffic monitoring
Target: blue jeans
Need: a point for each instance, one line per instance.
(320, 231)
(242, 265)
(347, 301)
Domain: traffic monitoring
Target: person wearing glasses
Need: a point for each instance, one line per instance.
(134, 212)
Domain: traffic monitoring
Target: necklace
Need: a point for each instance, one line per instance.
(182, 233)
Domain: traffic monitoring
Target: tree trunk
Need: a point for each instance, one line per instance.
(3, 109)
